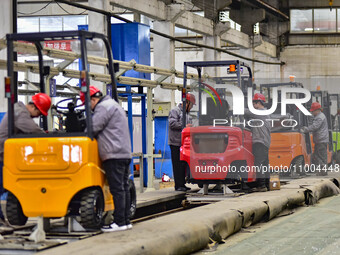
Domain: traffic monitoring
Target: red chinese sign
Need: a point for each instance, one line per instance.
(59, 45)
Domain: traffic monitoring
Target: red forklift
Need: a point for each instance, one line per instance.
(216, 146)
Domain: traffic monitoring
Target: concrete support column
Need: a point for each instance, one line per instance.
(164, 57)
(6, 27)
(211, 55)
(249, 53)
(97, 23)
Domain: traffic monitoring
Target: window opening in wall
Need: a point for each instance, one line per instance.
(324, 20)
(301, 21)
(317, 20)
(51, 23)
(256, 28)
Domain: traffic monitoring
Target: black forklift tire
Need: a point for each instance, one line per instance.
(91, 209)
(15, 215)
(133, 198)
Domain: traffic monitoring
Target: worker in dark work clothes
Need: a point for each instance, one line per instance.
(175, 132)
(110, 128)
(261, 142)
(319, 128)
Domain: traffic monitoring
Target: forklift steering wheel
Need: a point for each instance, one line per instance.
(70, 106)
(75, 120)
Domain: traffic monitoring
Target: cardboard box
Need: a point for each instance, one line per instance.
(274, 182)
(164, 185)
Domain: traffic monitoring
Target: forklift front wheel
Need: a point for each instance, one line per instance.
(14, 211)
(91, 209)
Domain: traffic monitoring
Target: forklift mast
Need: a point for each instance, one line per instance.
(336, 98)
(298, 115)
(234, 67)
(11, 86)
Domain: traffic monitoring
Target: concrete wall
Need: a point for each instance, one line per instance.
(314, 66)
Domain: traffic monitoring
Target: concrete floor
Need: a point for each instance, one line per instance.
(188, 231)
(310, 230)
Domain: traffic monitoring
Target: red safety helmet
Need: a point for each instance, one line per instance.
(191, 98)
(42, 102)
(315, 106)
(93, 90)
(259, 97)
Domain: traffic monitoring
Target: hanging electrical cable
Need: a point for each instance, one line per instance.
(44, 7)
(68, 11)
(31, 13)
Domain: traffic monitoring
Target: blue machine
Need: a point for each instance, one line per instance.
(131, 41)
(2, 114)
(162, 165)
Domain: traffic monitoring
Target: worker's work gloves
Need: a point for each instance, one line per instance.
(304, 130)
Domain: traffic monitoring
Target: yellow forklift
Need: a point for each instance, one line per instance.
(57, 173)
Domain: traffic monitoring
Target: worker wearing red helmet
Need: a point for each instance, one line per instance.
(174, 140)
(24, 123)
(110, 128)
(261, 139)
(93, 92)
(319, 128)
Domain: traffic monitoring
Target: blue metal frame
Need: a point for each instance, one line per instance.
(129, 95)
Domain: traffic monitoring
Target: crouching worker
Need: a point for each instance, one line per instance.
(319, 128)
(23, 123)
(110, 127)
